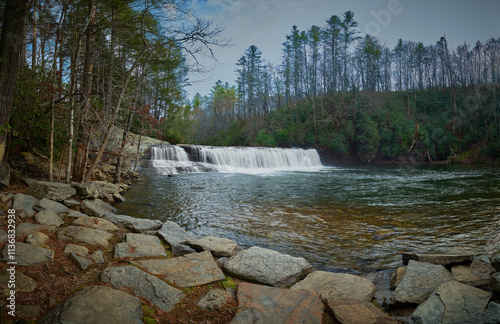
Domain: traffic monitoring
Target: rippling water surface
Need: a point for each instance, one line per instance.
(354, 219)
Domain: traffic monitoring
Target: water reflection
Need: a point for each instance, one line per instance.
(352, 219)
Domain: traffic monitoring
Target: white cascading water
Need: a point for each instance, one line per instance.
(173, 159)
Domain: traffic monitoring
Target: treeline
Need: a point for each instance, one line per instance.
(345, 91)
(72, 70)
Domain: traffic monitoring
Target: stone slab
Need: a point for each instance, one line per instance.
(28, 254)
(139, 246)
(135, 224)
(351, 311)
(25, 202)
(96, 223)
(51, 190)
(97, 207)
(28, 228)
(52, 205)
(84, 235)
(442, 259)
(48, 217)
(220, 247)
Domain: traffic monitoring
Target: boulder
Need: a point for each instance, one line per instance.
(442, 259)
(350, 311)
(495, 260)
(28, 254)
(54, 206)
(98, 305)
(337, 285)
(267, 267)
(214, 300)
(28, 228)
(452, 302)
(97, 207)
(495, 283)
(82, 263)
(419, 281)
(262, 304)
(135, 224)
(4, 174)
(23, 282)
(220, 247)
(194, 269)
(96, 223)
(84, 235)
(173, 234)
(139, 246)
(37, 238)
(51, 190)
(76, 249)
(475, 274)
(86, 190)
(26, 203)
(48, 217)
(158, 292)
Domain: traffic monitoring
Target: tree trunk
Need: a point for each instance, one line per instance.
(11, 43)
(118, 172)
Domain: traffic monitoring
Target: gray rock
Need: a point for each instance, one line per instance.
(419, 281)
(25, 202)
(495, 283)
(28, 228)
(495, 260)
(268, 267)
(118, 198)
(3, 236)
(51, 190)
(491, 315)
(261, 305)
(82, 263)
(475, 274)
(397, 276)
(28, 254)
(71, 203)
(98, 257)
(76, 214)
(452, 302)
(37, 238)
(337, 285)
(214, 300)
(48, 217)
(47, 204)
(135, 224)
(442, 259)
(181, 249)
(4, 174)
(97, 305)
(76, 249)
(140, 245)
(158, 292)
(96, 223)
(86, 190)
(220, 247)
(23, 282)
(348, 310)
(173, 234)
(97, 208)
(84, 235)
(194, 269)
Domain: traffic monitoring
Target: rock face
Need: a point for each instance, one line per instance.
(138, 246)
(419, 281)
(452, 302)
(136, 224)
(194, 269)
(50, 218)
(267, 267)
(84, 235)
(476, 274)
(86, 190)
(144, 285)
(97, 207)
(96, 223)
(337, 285)
(26, 203)
(96, 304)
(220, 247)
(348, 310)
(214, 300)
(262, 304)
(53, 206)
(51, 190)
(29, 254)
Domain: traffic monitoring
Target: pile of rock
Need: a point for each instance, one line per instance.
(155, 261)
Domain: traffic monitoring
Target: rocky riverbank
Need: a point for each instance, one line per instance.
(78, 261)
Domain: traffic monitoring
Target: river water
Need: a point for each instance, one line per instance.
(353, 219)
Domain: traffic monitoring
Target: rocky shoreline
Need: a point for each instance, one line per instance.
(77, 261)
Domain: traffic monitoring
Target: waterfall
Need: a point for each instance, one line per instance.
(171, 159)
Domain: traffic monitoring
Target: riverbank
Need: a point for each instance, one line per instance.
(72, 247)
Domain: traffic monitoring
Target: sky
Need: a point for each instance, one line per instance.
(265, 23)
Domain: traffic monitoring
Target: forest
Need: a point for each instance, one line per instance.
(70, 71)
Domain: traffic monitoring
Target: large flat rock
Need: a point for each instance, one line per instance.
(97, 207)
(96, 223)
(28, 228)
(84, 235)
(54, 206)
(262, 305)
(194, 269)
(351, 311)
(267, 267)
(139, 246)
(173, 234)
(97, 305)
(23, 282)
(337, 285)
(136, 224)
(48, 217)
(28, 254)
(26, 203)
(220, 247)
(51, 190)
(442, 259)
(144, 285)
(419, 281)
(452, 302)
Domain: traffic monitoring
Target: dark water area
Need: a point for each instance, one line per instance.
(354, 219)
